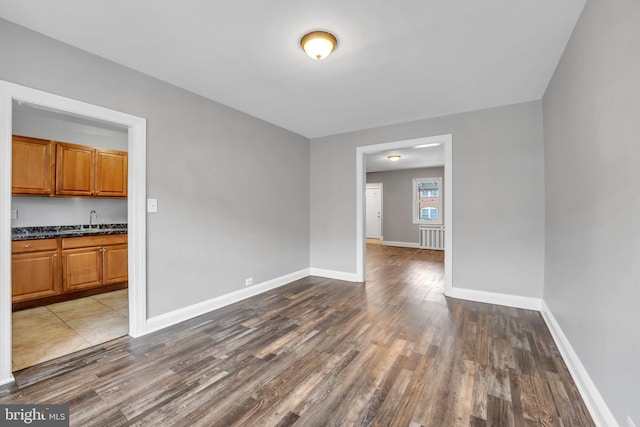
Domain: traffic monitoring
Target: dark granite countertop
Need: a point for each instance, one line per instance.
(50, 232)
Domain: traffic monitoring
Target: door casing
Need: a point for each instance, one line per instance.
(361, 152)
(136, 205)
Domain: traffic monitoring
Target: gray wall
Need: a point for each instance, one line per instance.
(498, 241)
(232, 190)
(397, 201)
(592, 157)
(38, 211)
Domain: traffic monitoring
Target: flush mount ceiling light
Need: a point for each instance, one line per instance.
(393, 157)
(318, 44)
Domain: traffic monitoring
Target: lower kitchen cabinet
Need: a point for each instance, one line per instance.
(52, 270)
(115, 260)
(93, 261)
(35, 269)
(81, 268)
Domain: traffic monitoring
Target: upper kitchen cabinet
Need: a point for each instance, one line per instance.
(111, 173)
(84, 171)
(75, 170)
(33, 166)
(50, 168)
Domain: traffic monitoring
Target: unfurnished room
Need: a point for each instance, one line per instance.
(320, 213)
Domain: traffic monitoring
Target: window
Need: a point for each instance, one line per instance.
(428, 214)
(427, 203)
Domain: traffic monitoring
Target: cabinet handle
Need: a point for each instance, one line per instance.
(26, 246)
(55, 254)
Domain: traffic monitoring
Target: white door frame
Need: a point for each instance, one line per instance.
(379, 186)
(136, 204)
(361, 179)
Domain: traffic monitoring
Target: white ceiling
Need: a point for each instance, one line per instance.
(396, 61)
(410, 158)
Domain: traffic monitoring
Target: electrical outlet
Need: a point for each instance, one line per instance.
(14, 214)
(630, 422)
(249, 281)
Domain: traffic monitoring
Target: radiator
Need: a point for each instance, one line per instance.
(432, 237)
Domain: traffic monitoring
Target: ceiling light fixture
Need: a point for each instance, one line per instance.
(434, 144)
(318, 44)
(393, 158)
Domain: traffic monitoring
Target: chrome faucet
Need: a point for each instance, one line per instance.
(91, 215)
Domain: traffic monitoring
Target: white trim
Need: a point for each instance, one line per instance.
(401, 244)
(448, 215)
(137, 229)
(136, 202)
(6, 375)
(333, 274)
(596, 405)
(173, 317)
(361, 152)
(527, 303)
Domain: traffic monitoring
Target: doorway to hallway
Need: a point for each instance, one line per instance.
(361, 179)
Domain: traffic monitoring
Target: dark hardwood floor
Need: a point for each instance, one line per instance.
(320, 352)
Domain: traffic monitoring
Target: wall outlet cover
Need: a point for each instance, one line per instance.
(249, 281)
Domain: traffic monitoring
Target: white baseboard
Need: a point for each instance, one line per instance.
(528, 303)
(598, 409)
(333, 274)
(8, 380)
(173, 317)
(401, 244)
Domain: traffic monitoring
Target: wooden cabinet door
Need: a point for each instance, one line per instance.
(81, 268)
(115, 264)
(74, 170)
(34, 275)
(111, 173)
(33, 166)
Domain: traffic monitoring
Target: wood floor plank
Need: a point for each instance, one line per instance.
(319, 352)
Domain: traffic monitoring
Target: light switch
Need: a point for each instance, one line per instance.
(152, 205)
(14, 214)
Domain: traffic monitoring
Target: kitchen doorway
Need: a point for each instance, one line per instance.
(136, 204)
(69, 251)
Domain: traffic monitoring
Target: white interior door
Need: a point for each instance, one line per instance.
(374, 211)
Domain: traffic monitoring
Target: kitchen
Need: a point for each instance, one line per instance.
(69, 234)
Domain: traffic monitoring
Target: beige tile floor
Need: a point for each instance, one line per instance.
(44, 333)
